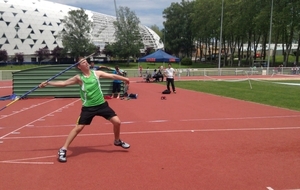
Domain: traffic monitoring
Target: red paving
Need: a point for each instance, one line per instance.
(191, 140)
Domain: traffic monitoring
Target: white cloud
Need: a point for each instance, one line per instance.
(148, 11)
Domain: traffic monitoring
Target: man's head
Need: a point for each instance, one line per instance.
(82, 64)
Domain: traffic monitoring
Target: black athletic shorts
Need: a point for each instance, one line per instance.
(88, 113)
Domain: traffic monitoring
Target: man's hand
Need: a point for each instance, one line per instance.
(43, 84)
(127, 81)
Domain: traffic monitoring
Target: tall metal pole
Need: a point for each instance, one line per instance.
(116, 9)
(220, 43)
(270, 35)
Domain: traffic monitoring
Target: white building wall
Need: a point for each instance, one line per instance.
(27, 25)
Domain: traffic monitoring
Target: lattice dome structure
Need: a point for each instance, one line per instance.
(28, 25)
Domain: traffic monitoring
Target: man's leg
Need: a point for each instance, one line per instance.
(62, 152)
(74, 132)
(118, 90)
(168, 83)
(173, 85)
(116, 128)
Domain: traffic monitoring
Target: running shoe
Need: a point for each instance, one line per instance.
(62, 155)
(122, 144)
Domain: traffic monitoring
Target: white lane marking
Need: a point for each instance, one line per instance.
(241, 118)
(5, 86)
(23, 109)
(128, 122)
(163, 131)
(158, 121)
(2, 137)
(26, 160)
(47, 126)
(35, 163)
(270, 188)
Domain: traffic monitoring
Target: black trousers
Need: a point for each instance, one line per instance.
(170, 81)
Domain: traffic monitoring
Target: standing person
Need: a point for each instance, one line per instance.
(93, 103)
(117, 83)
(93, 67)
(170, 73)
(161, 69)
(141, 71)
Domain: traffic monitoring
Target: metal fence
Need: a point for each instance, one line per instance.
(225, 71)
(7, 74)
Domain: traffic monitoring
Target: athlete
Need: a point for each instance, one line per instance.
(93, 103)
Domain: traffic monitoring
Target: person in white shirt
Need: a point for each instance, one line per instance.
(169, 74)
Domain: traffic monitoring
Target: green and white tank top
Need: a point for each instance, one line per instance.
(90, 90)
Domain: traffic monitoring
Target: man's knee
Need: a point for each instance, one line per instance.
(115, 121)
(78, 128)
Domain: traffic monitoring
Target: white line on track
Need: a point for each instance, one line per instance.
(157, 121)
(35, 163)
(162, 131)
(24, 109)
(5, 86)
(26, 160)
(2, 137)
(242, 118)
(47, 126)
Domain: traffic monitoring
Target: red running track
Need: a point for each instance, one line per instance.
(191, 140)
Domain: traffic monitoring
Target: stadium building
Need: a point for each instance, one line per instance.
(28, 25)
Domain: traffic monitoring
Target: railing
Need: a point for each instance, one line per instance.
(224, 71)
(7, 74)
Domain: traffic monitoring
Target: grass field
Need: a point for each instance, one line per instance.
(264, 92)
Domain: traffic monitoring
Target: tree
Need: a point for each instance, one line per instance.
(178, 31)
(42, 53)
(128, 38)
(3, 55)
(76, 36)
(19, 58)
(108, 50)
(155, 28)
(57, 53)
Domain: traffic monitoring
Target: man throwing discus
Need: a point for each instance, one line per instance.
(93, 103)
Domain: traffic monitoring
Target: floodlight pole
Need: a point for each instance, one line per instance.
(271, 18)
(220, 43)
(116, 9)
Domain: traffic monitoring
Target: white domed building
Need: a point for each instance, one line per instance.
(28, 25)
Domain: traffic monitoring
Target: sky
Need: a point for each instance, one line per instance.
(148, 11)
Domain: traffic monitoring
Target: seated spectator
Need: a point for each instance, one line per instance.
(157, 75)
(160, 75)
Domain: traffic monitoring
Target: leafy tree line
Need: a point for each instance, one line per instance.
(244, 22)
